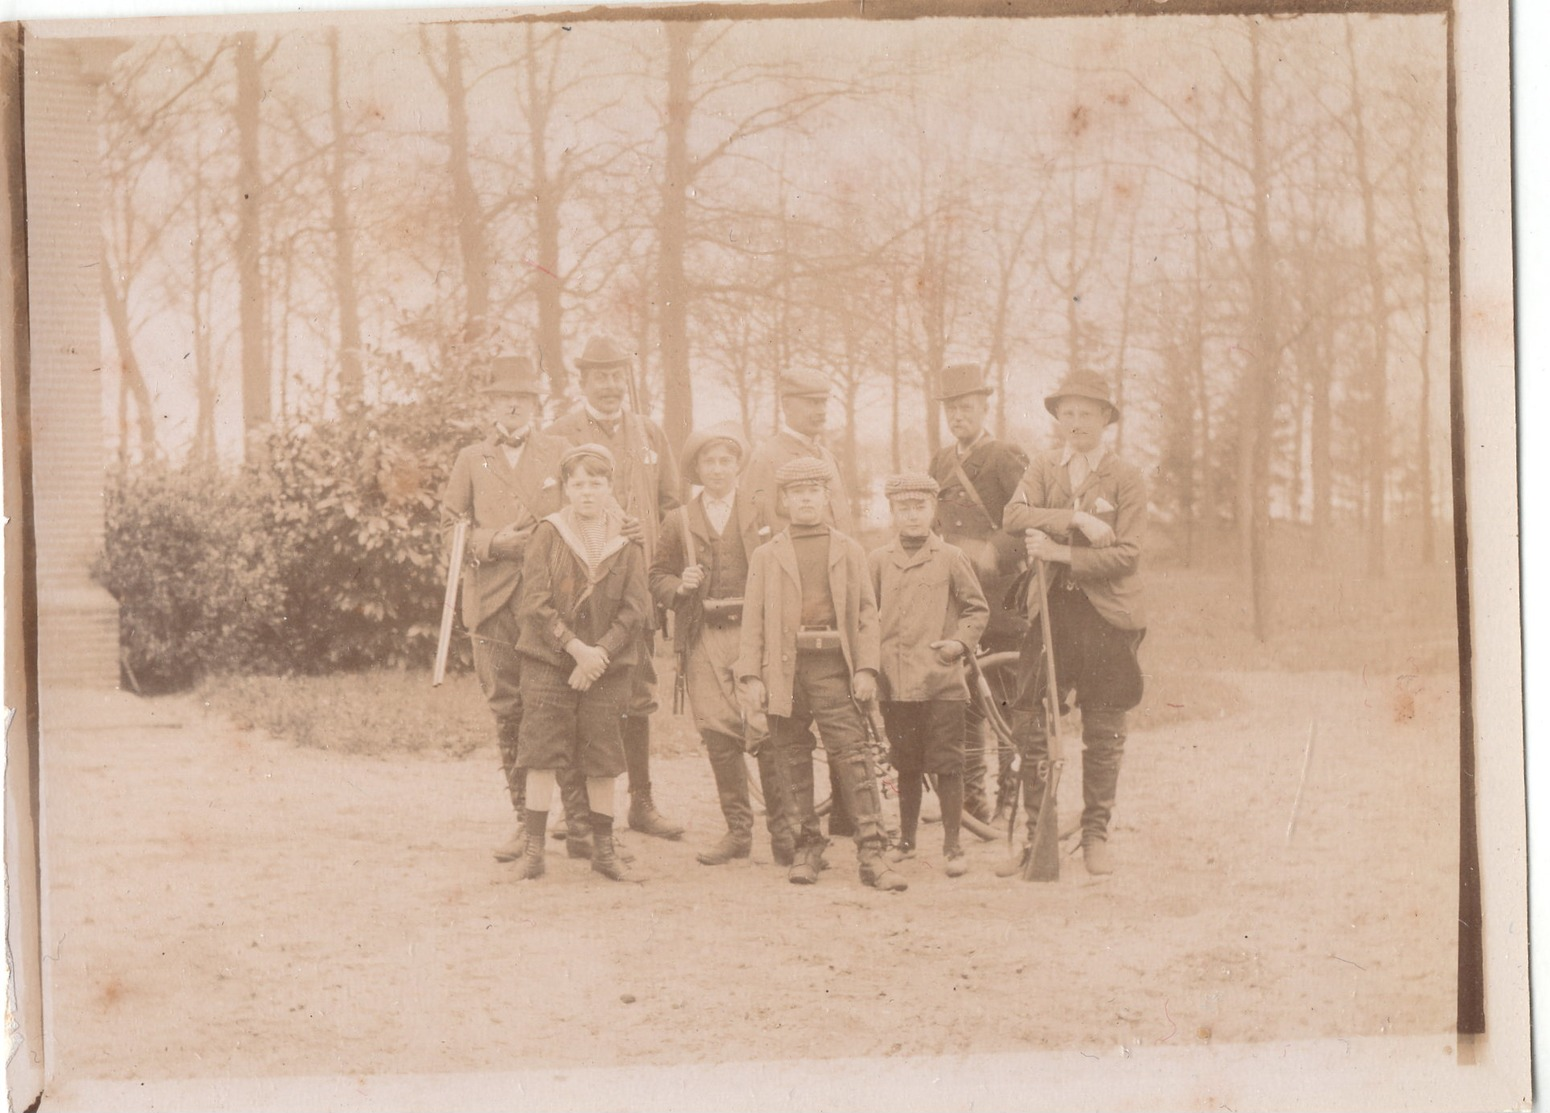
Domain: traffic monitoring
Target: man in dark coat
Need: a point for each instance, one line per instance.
(978, 475)
(502, 486)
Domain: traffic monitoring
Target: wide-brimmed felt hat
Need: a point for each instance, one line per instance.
(596, 451)
(959, 379)
(511, 375)
(601, 351)
(804, 469)
(911, 483)
(1083, 384)
(729, 432)
(803, 384)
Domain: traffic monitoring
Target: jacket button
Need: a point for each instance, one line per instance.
(785, 657)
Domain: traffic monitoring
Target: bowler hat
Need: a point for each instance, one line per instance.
(1083, 384)
(803, 384)
(601, 351)
(729, 432)
(512, 375)
(961, 379)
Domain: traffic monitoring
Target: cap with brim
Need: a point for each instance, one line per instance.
(914, 483)
(601, 351)
(960, 379)
(804, 469)
(803, 384)
(723, 432)
(582, 451)
(512, 375)
(1083, 384)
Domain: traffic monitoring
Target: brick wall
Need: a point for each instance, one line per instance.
(77, 619)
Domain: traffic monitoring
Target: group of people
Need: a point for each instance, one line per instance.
(581, 533)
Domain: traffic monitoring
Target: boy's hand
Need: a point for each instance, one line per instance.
(863, 686)
(693, 577)
(633, 529)
(948, 651)
(591, 661)
(579, 680)
(750, 691)
(1098, 532)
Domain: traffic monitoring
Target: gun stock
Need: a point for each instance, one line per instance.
(1043, 862)
(449, 604)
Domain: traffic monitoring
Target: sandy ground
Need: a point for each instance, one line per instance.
(222, 903)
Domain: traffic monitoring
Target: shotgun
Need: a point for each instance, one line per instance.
(1043, 862)
(680, 627)
(449, 605)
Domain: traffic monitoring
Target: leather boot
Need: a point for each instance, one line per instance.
(808, 865)
(604, 860)
(531, 868)
(574, 827)
(777, 807)
(876, 873)
(974, 800)
(1103, 747)
(644, 816)
(507, 729)
(731, 774)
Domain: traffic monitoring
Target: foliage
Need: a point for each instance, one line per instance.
(321, 553)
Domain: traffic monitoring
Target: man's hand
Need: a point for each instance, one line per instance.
(1042, 547)
(509, 543)
(693, 577)
(1098, 532)
(634, 530)
(863, 686)
(949, 650)
(751, 694)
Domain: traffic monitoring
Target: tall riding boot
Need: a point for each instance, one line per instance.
(794, 763)
(726, 764)
(532, 865)
(842, 824)
(1033, 744)
(858, 786)
(777, 807)
(604, 860)
(974, 730)
(644, 816)
(1103, 748)
(507, 730)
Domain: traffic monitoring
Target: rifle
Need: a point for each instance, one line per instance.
(680, 635)
(1043, 862)
(449, 605)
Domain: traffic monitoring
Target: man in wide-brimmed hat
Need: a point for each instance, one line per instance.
(645, 484)
(978, 475)
(700, 573)
(1084, 510)
(503, 486)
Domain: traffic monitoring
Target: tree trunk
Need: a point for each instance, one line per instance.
(256, 402)
(467, 212)
(546, 217)
(351, 376)
(132, 382)
(672, 240)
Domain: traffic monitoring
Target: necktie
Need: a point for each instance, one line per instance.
(510, 440)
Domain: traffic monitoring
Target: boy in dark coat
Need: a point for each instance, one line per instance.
(584, 602)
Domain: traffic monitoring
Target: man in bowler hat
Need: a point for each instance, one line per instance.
(1084, 510)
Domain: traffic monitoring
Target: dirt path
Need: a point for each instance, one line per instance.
(221, 903)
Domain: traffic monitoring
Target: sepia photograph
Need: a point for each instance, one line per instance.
(849, 556)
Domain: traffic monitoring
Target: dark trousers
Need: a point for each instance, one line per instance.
(731, 773)
(821, 697)
(498, 666)
(1099, 663)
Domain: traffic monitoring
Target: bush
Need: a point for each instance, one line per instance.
(321, 553)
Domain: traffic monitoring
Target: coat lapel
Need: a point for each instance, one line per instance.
(786, 557)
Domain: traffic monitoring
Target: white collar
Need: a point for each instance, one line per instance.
(600, 417)
(802, 438)
(984, 434)
(711, 500)
(1094, 458)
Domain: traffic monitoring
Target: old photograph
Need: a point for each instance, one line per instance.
(839, 556)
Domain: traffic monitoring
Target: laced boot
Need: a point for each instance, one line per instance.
(605, 858)
(957, 863)
(507, 731)
(731, 845)
(875, 872)
(644, 816)
(809, 863)
(531, 867)
(1013, 866)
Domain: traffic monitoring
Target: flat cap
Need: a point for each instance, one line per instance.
(596, 451)
(912, 483)
(804, 469)
(803, 384)
(724, 432)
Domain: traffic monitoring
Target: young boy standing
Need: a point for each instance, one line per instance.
(932, 612)
(809, 654)
(1085, 513)
(700, 573)
(584, 603)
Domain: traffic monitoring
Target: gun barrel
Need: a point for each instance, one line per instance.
(449, 604)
